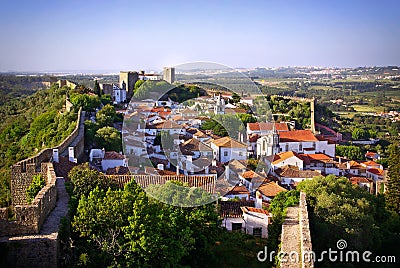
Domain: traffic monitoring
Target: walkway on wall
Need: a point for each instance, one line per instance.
(291, 238)
(52, 222)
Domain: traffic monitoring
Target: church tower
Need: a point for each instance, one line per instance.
(269, 144)
(219, 107)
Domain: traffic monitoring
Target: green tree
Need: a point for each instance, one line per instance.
(34, 188)
(90, 131)
(109, 138)
(351, 152)
(359, 133)
(392, 194)
(106, 116)
(340, 210)
(84, 179)
(235, 98)
(96, 88)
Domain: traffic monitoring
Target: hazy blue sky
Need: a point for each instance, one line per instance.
(93, 35)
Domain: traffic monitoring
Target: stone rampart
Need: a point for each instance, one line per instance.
(28, 218)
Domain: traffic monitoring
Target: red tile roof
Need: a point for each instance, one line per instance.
(297, 136)
(357, 180)
(238, 189)
(376, 171)
(228, 142)
(113, 155)
(263, 126)
(285, 155)
(271, 189)
(256, 210)
(118, 171)
(232, 209)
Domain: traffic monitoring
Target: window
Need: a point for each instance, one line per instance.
(240, 153)
(236, 226)
(300, 147)
(225, 153)
(286, 147)
(257, 232)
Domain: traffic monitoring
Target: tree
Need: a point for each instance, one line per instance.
(106, 116)
(392, 194)
(96, 88)
(90, 131)
(340, 210)
(235, 98)
(37, 184)
(109, 138)
(85, 179)
(143, 232)
(350, 152)
(359, 133)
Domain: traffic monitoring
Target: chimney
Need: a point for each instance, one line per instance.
(206, 170)
(258, 200)
(227, 172)
(214, 163)
(71, 154)
(55, 156)
(340, 160)
(160, 166)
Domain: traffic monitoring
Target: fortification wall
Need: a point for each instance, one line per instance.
(30, 217)
(305, 234)
(29, 251)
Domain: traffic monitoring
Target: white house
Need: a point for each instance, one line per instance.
(264, 128)
(304, 141)
(240, 191)
(289, 158)
(232, 215)
(226, 149)
(256, 221)
(376, 174)
(291, 175)
(113, 159)
(118, 94)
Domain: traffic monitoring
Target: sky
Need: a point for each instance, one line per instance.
(147, 35)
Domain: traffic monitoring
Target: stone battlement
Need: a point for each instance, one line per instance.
(30, 217)
(305, 234)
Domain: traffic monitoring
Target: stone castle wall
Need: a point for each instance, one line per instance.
(30, 217)
(23, 171)
(305, 234)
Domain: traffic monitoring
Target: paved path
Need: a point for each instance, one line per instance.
(291, 238)
(52, 223)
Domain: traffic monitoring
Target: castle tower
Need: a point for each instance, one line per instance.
(219, 107)
(130, 79)
(169, 74)
(312, 108)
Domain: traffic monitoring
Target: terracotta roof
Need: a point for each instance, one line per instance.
(376, 171)
(358, 180)
(285, 155)
(237, 164)
(113, 155)
(263, 126)
(255, 210)
(229, 143)
(167, 125)
(232, 209)
(200, 134)
(254, 138)
(293, 172)
(354, 164)
(63, 167)
(160, 109)
(371, 154)
(370, 163)
(238, 189)
(193, 144)
(120, 170)
(270, 189)
(297, 136)
(250, 175)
